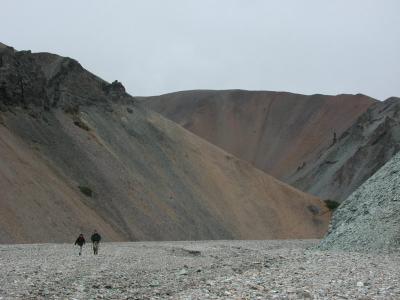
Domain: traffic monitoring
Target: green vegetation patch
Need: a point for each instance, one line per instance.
(87, 191)
(81, 124)
(331, 204)
(72, 109)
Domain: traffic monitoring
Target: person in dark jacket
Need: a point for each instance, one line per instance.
(96, 238)
(80, 241)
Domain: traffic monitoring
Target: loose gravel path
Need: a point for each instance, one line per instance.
(196, 270)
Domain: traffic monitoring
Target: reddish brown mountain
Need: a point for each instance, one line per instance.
(277, 132)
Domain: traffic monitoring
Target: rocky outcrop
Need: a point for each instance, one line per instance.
(44, 80)
(115, 88)
(358, 153)
(21, 81)
(369, 220)
(78, 153)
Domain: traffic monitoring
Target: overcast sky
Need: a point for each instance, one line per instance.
(154, 47)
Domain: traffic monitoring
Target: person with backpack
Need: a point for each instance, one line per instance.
(80, 241)
(95, 240)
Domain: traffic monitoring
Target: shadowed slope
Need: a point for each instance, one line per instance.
(358, 154)
(150, 179)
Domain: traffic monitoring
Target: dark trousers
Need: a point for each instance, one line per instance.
(95, 248)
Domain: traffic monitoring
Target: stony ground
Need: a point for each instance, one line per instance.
(196, 270)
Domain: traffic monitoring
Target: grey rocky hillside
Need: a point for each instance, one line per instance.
(45, 81)
(369, 220)
(355, 156)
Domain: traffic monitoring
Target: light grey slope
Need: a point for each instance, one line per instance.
(370, 218)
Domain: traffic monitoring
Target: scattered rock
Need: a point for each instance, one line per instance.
(183, 272)
(146, 270)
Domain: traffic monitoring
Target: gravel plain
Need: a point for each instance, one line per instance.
(290, 269)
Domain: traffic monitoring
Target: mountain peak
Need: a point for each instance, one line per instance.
(47, 80)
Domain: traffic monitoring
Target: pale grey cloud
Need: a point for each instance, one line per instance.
(153, 47)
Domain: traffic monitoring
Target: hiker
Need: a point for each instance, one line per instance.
(95, 240)
(80, 241)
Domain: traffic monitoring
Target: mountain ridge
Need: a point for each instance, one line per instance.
(277, 132)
